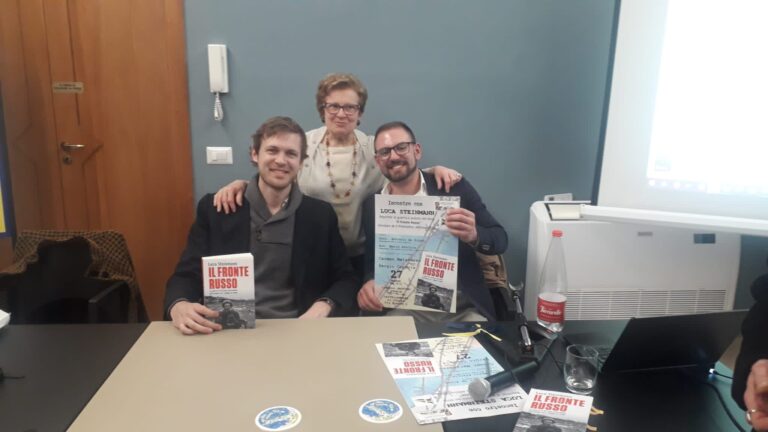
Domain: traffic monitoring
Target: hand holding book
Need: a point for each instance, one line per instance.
(191, 318)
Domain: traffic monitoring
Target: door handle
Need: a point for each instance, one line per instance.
(67, 147)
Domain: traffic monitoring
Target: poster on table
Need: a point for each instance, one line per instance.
(433, 375)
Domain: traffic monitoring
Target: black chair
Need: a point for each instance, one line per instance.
(55, 289)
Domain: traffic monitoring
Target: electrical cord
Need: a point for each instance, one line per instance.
(712, 371)
(725, 407)
(218, 109)
(547, 350)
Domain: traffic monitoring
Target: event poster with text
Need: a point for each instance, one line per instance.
(416, 257)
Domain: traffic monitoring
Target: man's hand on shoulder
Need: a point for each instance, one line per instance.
(461, 223)
(367, 298)
(191, 318)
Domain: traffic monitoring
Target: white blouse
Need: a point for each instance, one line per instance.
(315, 182)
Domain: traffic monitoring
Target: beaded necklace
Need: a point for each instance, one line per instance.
(330, 173)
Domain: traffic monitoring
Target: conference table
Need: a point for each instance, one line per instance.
(119, 377)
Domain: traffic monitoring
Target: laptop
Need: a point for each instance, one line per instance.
(677, 341)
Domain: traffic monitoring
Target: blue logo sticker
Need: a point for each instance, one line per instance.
(380, 411)
(278, 418)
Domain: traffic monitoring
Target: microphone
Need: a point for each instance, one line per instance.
(481, 388)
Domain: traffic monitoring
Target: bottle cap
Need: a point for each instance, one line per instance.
(557, 233)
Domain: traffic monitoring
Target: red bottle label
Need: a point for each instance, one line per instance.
(551, 312)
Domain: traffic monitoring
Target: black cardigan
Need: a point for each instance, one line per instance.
(319, 264)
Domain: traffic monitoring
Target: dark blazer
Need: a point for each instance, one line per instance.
(319, 263)
(492, 240)
(754, 343)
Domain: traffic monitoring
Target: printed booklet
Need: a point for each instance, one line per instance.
(228, 288)
(551, 411)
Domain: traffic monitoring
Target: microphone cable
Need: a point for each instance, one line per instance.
(547, 350)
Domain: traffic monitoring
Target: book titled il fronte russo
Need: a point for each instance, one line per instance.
(228, 288)
(551, 411)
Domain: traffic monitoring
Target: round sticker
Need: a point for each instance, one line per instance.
(380, 411)
(278, 418)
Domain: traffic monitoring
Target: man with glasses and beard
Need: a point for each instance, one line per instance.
(397, 154)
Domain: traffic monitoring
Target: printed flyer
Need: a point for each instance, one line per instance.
(433, 375)
(416, 257)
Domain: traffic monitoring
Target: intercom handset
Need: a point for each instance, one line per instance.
(217, 72)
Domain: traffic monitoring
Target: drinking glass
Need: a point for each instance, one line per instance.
(580, 368)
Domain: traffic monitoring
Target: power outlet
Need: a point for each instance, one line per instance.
(218, 155)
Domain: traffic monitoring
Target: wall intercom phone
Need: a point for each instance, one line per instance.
(217, 72)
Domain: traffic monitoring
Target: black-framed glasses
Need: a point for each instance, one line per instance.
(399, 148)
(334, 108)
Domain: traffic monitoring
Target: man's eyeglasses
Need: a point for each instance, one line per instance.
(334, 108)
(399, 148)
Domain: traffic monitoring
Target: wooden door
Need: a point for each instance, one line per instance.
(116, 155)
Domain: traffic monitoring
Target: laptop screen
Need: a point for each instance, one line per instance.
(674, 341)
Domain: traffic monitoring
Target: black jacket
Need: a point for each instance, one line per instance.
(492, 240)
(754, 344)
(319, 263)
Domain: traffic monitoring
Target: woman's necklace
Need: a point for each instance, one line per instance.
(330, 173)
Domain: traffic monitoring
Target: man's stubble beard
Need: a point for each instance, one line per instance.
(405, 175)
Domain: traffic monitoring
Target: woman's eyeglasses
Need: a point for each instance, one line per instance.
(334, 108)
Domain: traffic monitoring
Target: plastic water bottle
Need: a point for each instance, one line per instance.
(553, 288)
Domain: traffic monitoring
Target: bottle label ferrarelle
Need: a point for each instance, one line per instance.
(551, 311)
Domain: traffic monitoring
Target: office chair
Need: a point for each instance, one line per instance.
(55, 289)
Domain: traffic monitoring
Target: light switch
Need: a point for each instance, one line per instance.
(218, 155)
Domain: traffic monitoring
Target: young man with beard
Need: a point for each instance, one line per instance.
(397, 155)
(300, 263)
